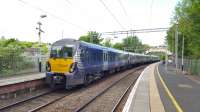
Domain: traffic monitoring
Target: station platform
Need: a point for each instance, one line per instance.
(162, 89)
(11, 87)
(21, 79)
(144, 96)
(184, 90)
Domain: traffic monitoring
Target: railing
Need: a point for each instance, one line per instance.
(192, 66)
(16, 65)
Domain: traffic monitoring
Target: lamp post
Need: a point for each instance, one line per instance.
(39, 42)
(182, 60)
(176, 47)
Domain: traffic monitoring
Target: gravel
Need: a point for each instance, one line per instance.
(107, 101)
(22, 96)
(78, 98)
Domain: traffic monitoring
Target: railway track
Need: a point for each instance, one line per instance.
(22, 101)
(35, 103)
(39, 102)
(48, 103)
(122, 96)
(82, 107)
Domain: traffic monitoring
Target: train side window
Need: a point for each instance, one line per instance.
(87, 56)
(103, 56)
(107, 57)
(82, 53)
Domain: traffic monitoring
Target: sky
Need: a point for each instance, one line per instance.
(73, 18)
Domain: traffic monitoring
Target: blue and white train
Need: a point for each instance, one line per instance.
(74, 62)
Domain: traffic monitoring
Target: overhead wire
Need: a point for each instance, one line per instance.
(151, 10)
(52, 15)
(79, 11)
(123, 8)
(110, 12)
(125, 12)
(137, 31)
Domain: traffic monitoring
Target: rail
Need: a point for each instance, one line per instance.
(103, 91)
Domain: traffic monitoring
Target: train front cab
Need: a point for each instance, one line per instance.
(60, 67)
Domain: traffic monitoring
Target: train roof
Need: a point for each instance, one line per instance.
(73, 41)
(103, 47)
(64, 42)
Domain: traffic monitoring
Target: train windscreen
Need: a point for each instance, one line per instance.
(61, 52)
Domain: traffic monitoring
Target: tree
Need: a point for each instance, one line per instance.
(144, 48)
(187, 17)
(14, 45)
(118, 46)
(132, 44)
(107, 43)
(92, 37)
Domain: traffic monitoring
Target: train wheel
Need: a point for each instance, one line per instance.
(86, 80)
(52, 85)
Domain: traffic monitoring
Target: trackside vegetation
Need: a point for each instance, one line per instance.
(187, 22)
(13, 59)
(130, 43)
(187, 19)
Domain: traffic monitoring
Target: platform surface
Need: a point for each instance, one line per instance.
(186, 92)
(144, 96)
(20, 79)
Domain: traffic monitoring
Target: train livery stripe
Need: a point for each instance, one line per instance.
(172, 98)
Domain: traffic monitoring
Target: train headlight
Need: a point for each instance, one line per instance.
(48, 67)
(72, 67)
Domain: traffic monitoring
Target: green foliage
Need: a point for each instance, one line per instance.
(118, 46)
(20, 45)
(133, 44)
(92, 37)
(187, 15)
(11, 59)
(44, 48)
(130, 43)
(162, 57)
(107, 43)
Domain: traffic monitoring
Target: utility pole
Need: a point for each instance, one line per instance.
(62, 33)
(176, 47)
(166, 59)
(39, 42)
(182, 61)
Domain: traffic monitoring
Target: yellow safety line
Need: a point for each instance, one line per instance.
(177, 106)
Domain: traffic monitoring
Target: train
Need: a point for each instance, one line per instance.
(73, 62)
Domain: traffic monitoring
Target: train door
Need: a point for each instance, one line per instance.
(105, 60)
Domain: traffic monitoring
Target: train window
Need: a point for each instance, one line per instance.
(82, 53)
(107, 57)
(66, 52)
(103, 57)
(61, 51)
(86, 56)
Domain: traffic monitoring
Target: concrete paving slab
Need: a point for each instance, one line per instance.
(20, 79)
(155, 100)
(185, 91)
(145, 97)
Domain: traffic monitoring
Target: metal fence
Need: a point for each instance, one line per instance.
(16, 65)
(192, 66)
